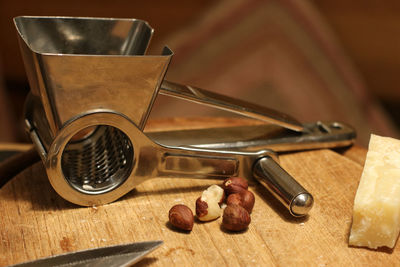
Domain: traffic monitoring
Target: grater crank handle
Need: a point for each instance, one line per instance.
(215, 100)
(207, 163)
(283, 186)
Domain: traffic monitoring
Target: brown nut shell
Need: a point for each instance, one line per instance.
(234, 185)
(234, 199)
(245, 199)
(181, 217)
(235, 218)
(201, 208)
(222, 200)
(248, 200)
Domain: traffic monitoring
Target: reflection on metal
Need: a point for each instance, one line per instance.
(241, 107)
(110, 256)
(254, 137)
(80, 65)
(92, 89)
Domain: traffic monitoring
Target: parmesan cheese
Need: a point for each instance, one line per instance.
(376, 214)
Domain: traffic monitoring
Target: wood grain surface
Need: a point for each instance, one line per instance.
(36, 222)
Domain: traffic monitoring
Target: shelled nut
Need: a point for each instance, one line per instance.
(181, 217)
(245, 199)
(234, 185)
(208, 205)
(235, 218)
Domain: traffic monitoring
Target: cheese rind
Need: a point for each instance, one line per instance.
(376, 214)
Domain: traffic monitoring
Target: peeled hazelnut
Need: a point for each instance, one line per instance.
(207, 206)
(235, 218)
(234, 185)
(181, 217)
(245, 199)
(214, 192)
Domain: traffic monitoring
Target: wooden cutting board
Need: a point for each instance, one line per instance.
(35, 222)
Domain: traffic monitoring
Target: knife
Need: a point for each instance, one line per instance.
(111, 256)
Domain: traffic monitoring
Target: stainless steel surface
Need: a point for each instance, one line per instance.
(301, 204)
(76, 65)
(243, 108)
(99, 162)
(92, 88)
(286, 189)
(131, 159)
(255, 137)
(111, 256)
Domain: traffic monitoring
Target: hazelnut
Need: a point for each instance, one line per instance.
(234, 199)
(208, 205)
(234, 185)
(245, 199)
(181, 217)
(235, 218)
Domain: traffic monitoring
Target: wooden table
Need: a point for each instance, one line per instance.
(35, 222)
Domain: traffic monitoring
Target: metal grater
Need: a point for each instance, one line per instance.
(92, 89)
(98, 163)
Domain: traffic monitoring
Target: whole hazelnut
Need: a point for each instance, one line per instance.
(234, 199)
(234, 185)
(181, 217)
(245, 199)
(235, 218)
(248, 200)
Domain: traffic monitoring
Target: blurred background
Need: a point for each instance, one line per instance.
(326, 59)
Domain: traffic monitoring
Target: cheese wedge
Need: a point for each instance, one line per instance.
(376, 215)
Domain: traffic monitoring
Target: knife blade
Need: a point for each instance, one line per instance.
(112, 256)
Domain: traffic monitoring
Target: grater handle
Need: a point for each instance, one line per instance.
(262, 165)
(283, 186)
(234, 105)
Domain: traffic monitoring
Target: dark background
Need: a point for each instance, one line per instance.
(369, 32)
